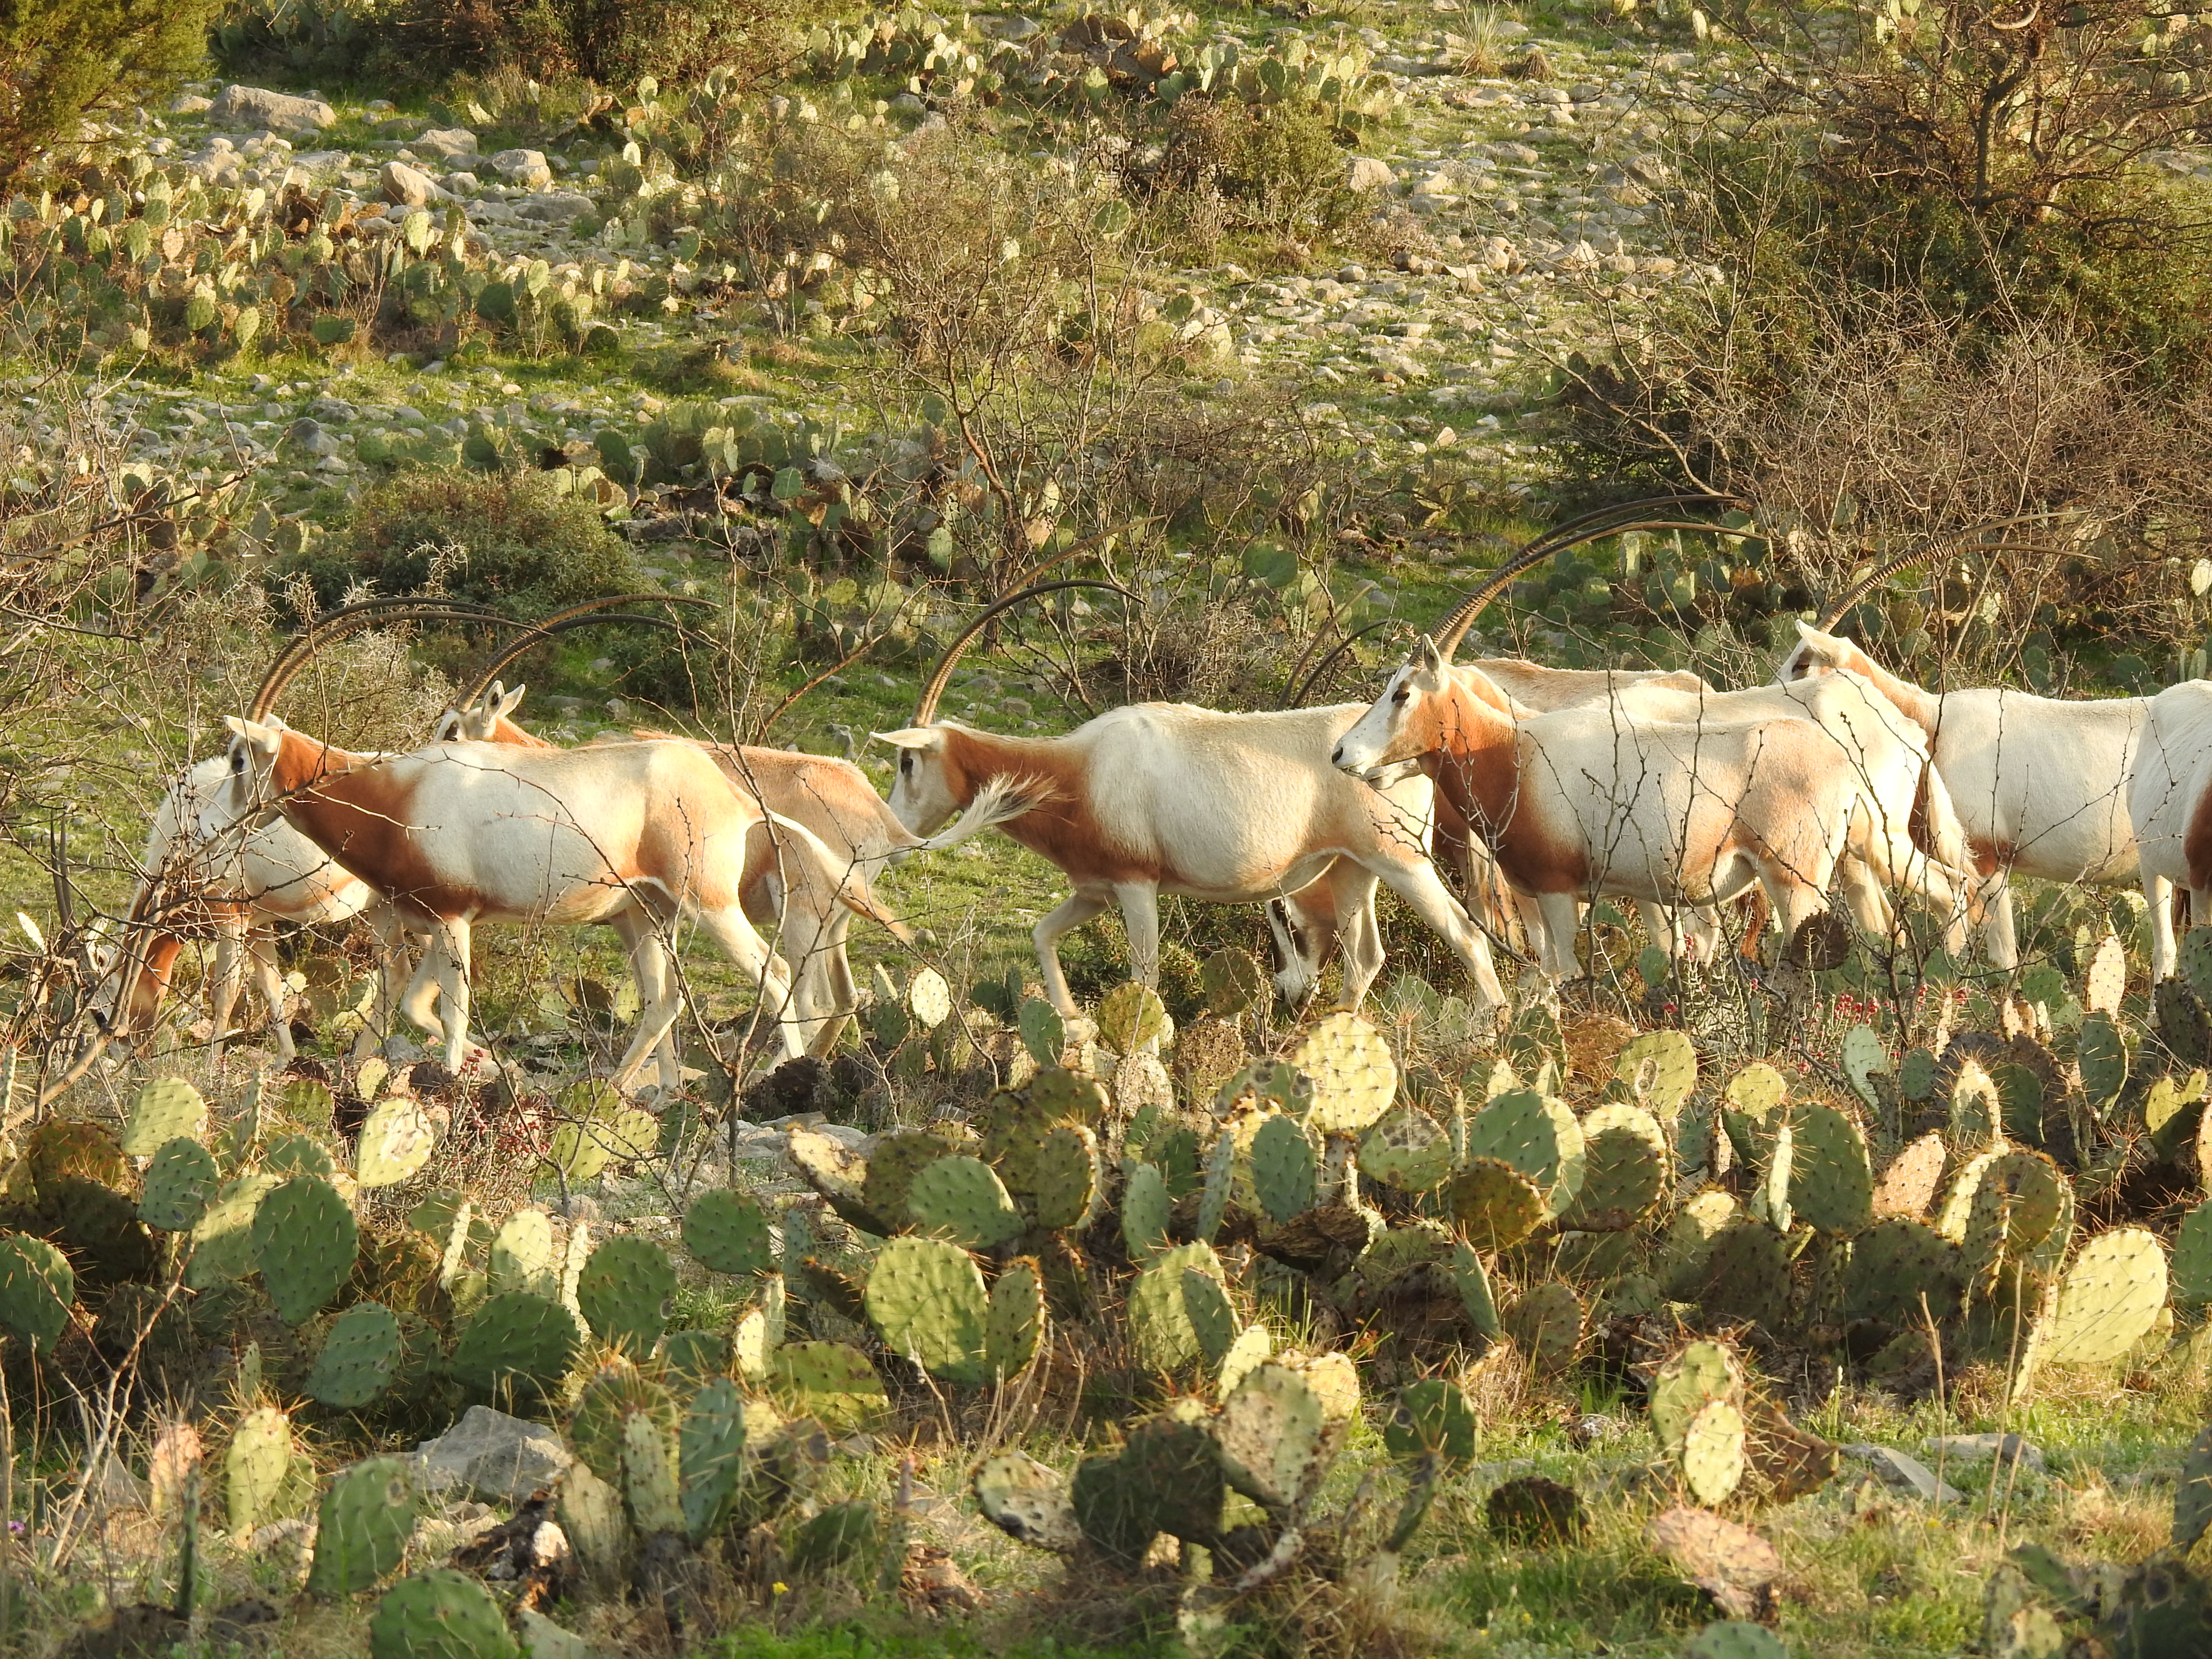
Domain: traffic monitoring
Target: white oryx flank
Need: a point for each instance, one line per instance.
(1588, 802)
(633, 835)
(1165, 797)
(2042, 786)
(2170, 809)
(201, 873)
(832, 797)
(1540, 689)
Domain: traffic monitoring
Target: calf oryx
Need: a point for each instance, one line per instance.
(1232, 809)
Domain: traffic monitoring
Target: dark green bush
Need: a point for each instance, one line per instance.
(1227, 166)
(62, 60)
(524, 549)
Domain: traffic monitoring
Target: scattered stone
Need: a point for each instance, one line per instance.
(558, 207)
(1980, 1448)
(256, 107)
(407, 186)
(448, 142)
(307, 435)
(544, 1639)
(501, 1459)
(1902, 1470)
(1368, 174)
(524, 168)
(190, 103)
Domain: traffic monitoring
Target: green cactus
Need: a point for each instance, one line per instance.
(1701, 1373)
(2107, 1301)
(896, 1163)
(1712, 1453)
(828, 1381)
(625, 1291)
(168, 1109)
(1027, 1502)
(222, 1239)
(1231, 982)
(1432, 1419)
(2183, 1023)
(1014, 1328)
(1044, 1034)
(600, 1423)
(649, 1473)
(590, 1511)
(1747, 1273)
(521, 1254)
(1166, 1478)
(395, 1141)
(2191, 1266)
(2106, 981)
(1132, 1018)
(1830, 1179)
(1546, 1321)
(962, 1199)
(297, 1154)
(1735, 1639)
(1683, 1259)
(1864, 1057)
(1659, 1070)
(1286, 1169)
(1897, 1267)
(1473, 1280)
(1535, 1135)
(1275, 1438)
(305, 1102)
(1407, 1150)
(37, 1288)
(180, 1181)
(358, 1356)
(439, 1614)
(2015, 1201)
(1064, 1196)
(2195, 960)
(2192, 1493)
(730, 1232)
(927, 1302)
(1917, 1075)
(1493, 1205)
(255, 1467)
(1624, 1170)
(1269, 1085)
(1220, 1186)
(2102, 1054)
(710, 1455)
(516, 1337)
(362, 1527)
(1354, 1079)
(835, 1537)
(1212, 1316)
(1145, 1209)
(1160, 1326)
(305, 1240)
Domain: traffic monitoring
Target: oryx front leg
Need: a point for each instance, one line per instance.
(2158, 897)
(1418, 884)
(1562, 920)
(450, 947)
(746, 948)
(1358, 934)
(1074, 910)
(1999, 942)
(269, 981)
(658, 1005)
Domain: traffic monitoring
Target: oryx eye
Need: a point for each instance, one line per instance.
(1399, 695)
(906, 761)
(238, 760)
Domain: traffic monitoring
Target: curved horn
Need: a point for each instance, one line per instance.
(547, 629)
(1454, 628)
(302, 648)
(1321, 668)
(924, 708)
(1832, 611)
(576, 616)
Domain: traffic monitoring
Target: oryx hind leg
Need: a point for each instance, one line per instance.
(744, 946)
(658, 1004)
(269, 981)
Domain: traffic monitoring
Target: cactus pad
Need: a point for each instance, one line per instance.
(516, 1337)
(1014, 1328)
(1748, 1275)
(363, 1525)
(298, 1154)
(2195, 960)
(167, 1109)
(1065, 1189)
(893, 1167)
(929, 999)
(1145, 1212)
(1533, 1510)
(521, 1254)
(1231, 982)
(1044, 1034)
(827, 1381)
(1212, 1316)
(648, 1475)
(1895, 1264)
(2108, 1301)
(1864, 1058)
(837, 1536)
(2014, 1205)
(305, 1240)
(1026, 1501)
(1830, 1180)
(1689, 1246)
(1276, 1438)
(1432, 1419)
(2183, 1023)
(1700, 1374)
(1537, 1136)
(2192, 1493)
(624, 1292)
(1160, 1326)
(1473, 1281)
(1735, 1639)
(1284, 1169)
(1493, 1205)
(2102, 1054)
(180, 1181)
(1407, 1150)
(395, 1141)
(1168, 1477)
(591, 1513)
(1659, 1070)
(1624, 1170)
(1546, 1321)
(1712, 1453)
(1917, 1074)
(962, 1199)
(255, 1467)
(439, 1614)
(2107, 980)
(927, 1302)
(1132, 1019)
(1354, 1079)
(1220, 1183)
(729, 1232)
(599, 1425)
(358, 1356)
(2192, 1258)
(1272, 1085)
(1911, 1182)
(36, 1290)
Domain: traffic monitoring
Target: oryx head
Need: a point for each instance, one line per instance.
(249, 789)
(1398, 728)
(926, 793)
(1815, 654)
(479, 722)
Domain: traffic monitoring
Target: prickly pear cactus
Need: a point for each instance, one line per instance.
(2108, 1301)
(1407, 1150)
(599, 1423)
(1493, 1205)
(2107, 980)
(1231, 982)
(1219, 1187)
(521, 1254)
(1898, 1268)
(1659, 1070)
(222, 1238)
(2192, 1493)
(649, 1469)
(2100, 1052)
(1830, 1179)
(1014, 1327)
(1267, 1085)
(305, 1240)
(1747, 1273)
(2183, 1022)
(2191, 1267)
(1132, 1019)
(1700, 1374)
(1027, 1502)
(36, 1290)
(395, 1141)
(1624, 1170)
(439, 1614)
(1535, 1135)
(180, 1181)
(711, 1455)
(1145, 1212)
(1044, 1034)
(962, 1199)
(927, 1302)
(1354, 1079)
(1976, 1109)
(1212, 1316)
(1160, 1326)
(1712, 1453)
(1275, 1438)
(362, 1527)
(2016, 1199)
(1167, 1478)
(2196, 961)
(359, 1355)
(1064, 1196)
(730, 1232)
(830, 1381)
(590, 1511)
(1908, 1185)
(1864, 1058)
(167, 1109)
(514, 1337)
(1917, 1075)
(624, 1292)
(1286, 1169)
(1433, 1419)
(1735, 1639)
(255, 1467)
(1471, 1280)
(1546, 1321)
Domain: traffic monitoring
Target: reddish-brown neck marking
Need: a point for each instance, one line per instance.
(1063, 830)
(505, 731)
(1472, 748)
(357, 810)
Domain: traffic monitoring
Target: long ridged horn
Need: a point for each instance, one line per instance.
(302, 648)
(1590, 528)
(576, 616)
(924, 708)
(1321, 668)
(1832, 612)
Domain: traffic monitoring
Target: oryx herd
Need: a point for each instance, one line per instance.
(1542, 790)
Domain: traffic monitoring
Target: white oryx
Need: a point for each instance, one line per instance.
(1165, 797)
(2170, 810)
(2042, 786)
(634, 835)
(1588, 802)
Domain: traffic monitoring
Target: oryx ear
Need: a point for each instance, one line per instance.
(448, 726)
(1426, 657)
(503, 701)
(910, 737)
(262, 739)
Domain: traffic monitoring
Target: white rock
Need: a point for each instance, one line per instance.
(526, 168)
(189, 103)
(544, 1639)
(501, 1459)
(554, 206)
(409, 187)
(1370, 173)
(1900, 1469)
(448, 142)
(256, 107)
(1980, 1448)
